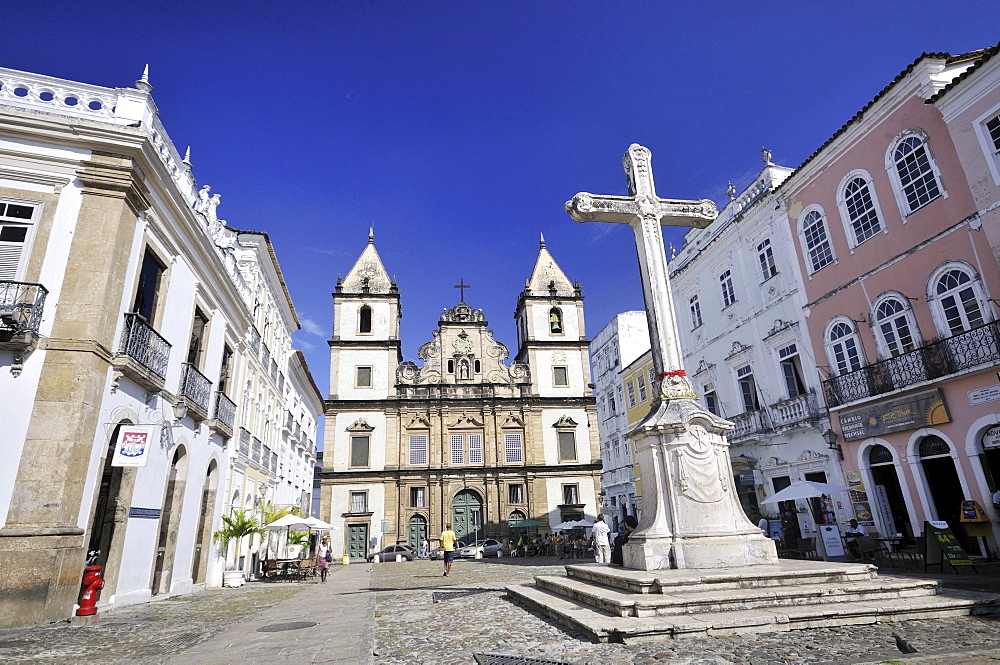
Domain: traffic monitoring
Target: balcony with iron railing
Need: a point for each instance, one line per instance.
(254, 340)
(21, 305)
(143, 353)
(265, 356)
(962, 352)
(799, 411)
(245, 443)
(224, 415)
(749, 425)
(255, 450)
(197, 389)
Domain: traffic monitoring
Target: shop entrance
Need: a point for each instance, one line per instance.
(170, 518)
(945, 488)
(787, 511)
(884, 474)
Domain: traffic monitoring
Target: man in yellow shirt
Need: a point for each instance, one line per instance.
(448, 540)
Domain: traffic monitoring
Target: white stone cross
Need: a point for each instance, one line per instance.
(645, 213)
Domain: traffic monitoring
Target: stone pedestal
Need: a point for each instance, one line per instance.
(692, 517)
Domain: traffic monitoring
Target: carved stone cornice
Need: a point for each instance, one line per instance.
(116, 181)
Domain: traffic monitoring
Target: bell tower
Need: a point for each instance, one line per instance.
(551, 335)
(365, 348)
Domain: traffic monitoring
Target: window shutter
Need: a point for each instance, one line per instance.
(10, 257)
(475, 449)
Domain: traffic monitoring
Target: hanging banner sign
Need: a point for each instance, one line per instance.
(133, 445)
(918, 410)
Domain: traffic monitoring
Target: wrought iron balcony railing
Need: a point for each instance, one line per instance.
(245, 443)
(790, 412)
(225, 410)
(21, 305)
(196, 387)
(254, 340)
(143, 344)
(265, 358)
(749, 423)
(935, 360)
(274, 370)
(256, 450)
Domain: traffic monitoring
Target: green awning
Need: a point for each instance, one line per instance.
(527, 523)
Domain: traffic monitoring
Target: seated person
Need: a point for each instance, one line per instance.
(854, 531)
(617, 557)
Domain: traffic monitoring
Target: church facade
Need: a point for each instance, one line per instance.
(463, 438)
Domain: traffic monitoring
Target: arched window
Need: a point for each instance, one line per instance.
(365, 319)
(879, 454)
(859, 206)
(815, 239)
(959, 302)
(843, 347)
(913, 173)
(933, 446)
(555, 321)
(895, 326)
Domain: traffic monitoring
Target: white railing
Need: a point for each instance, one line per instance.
(795, 410)
(45, 93)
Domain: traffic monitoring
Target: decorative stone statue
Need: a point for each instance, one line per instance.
(691, 516)
(201, 205)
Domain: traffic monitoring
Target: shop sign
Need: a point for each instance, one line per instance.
(133, 445)
(912, 412)
(941, 544)
(751, 477)
(991, 439)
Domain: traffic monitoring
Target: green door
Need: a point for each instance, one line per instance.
(416, 532)
(467, 516)
(357, 541)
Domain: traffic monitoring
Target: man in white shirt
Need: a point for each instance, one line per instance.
(602, 546)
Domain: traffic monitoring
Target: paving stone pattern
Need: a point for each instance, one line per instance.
(471, 616)
(412, 628)
(145, 633)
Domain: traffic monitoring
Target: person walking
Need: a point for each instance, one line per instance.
(323, 559)
(448, 540)
(602, 546)
(424, 548)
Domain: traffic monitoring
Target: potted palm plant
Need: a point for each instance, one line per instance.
(237, 526)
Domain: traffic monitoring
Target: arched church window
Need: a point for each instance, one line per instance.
(478, 366)
(365, 319)
(451, 366)
(555, 321)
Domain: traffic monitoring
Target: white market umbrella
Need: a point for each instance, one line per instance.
(564, 526)
(288, 523)
(804, 489)
(316, 524)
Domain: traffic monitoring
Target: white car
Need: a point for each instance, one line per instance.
(488, 547)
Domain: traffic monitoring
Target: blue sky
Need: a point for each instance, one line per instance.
(459, 129)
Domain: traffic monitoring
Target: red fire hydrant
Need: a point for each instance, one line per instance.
(92, 583)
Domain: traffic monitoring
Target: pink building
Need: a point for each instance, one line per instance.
(899, 277)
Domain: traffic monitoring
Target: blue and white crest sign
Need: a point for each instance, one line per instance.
(132, 447)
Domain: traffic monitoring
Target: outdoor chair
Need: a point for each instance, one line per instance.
(875, 551)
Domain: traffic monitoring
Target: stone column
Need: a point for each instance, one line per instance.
(42, 549)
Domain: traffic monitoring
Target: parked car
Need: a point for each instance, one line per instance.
(392, 551)
(488, 547)
(439, 553)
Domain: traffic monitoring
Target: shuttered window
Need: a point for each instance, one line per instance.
(15, 226)
(457, 449)
(475, 449)
(567, 446)
(359, 451)
(513, 453)
(418, 449)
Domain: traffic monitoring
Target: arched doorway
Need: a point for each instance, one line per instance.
(203, 536)
(889, 501)
(107, 524)
(467, 515)
(170, 517)
(416, 532)
(944, 486)
(513, 533)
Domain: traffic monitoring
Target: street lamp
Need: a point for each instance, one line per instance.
(831, 442)
(180, 408)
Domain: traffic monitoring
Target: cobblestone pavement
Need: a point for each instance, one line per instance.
(145, 633)
(473, 616)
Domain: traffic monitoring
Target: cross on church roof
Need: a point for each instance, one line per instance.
(462, 286)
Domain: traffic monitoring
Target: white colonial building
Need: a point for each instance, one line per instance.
(125, 318)
(622, 341)
(739, 298)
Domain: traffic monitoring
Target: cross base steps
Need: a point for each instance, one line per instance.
(612, 604)
(705, 552)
